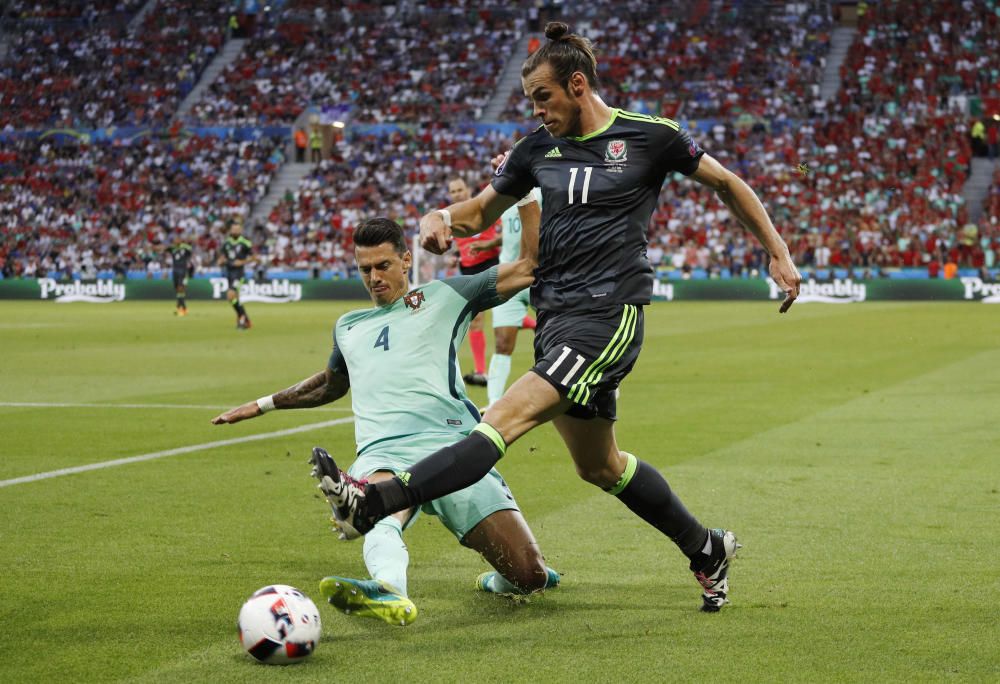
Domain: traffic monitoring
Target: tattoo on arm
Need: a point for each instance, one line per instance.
(322, 388)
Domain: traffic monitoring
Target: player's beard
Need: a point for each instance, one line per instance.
(573, 125)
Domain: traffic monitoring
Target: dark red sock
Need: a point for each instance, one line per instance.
(528, 323)
(477, 340)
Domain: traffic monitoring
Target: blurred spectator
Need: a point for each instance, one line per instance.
(978, 135)
(315, 145)
(301, 141)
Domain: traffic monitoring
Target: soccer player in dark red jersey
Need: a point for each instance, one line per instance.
(600, 170)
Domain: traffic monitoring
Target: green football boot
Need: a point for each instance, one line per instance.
(369, 598)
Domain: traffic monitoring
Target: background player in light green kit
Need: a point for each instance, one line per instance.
(399, 357)
(510, 316)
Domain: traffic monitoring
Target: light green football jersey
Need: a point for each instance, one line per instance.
(510, 221)
(402, 360)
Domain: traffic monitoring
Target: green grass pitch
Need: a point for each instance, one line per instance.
(854, 449)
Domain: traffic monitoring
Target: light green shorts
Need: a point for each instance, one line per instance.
(511, 313)
(460, 511)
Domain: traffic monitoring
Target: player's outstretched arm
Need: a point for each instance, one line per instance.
(469, 217)
(746, 207)
(484, 245)
(319, 389)
(517, 275)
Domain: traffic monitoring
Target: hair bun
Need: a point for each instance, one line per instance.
(556, 30)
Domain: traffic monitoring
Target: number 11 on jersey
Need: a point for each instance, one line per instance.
(586, 182)
(566, 351)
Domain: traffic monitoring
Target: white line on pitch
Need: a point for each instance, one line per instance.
(44, 404)
(173, 452)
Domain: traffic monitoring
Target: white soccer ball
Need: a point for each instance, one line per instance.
(279, 625)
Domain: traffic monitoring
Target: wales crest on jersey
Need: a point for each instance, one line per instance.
(616, 155)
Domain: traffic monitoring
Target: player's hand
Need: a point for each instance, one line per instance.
(477, 247)
(247, 410)
(498, 160)
(435, 237)
(787, 277)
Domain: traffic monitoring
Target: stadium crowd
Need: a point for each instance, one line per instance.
(89, 209)
(403, 174)
(702, 59)
(73, 75)
(853, 193)
(414, 63)
(89, 11)
(918, 55)
(875, 182)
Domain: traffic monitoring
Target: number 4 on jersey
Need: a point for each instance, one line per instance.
(383, 339)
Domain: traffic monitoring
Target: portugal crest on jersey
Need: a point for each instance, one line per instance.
(414, 299)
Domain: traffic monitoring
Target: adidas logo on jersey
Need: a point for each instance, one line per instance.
(554, 153)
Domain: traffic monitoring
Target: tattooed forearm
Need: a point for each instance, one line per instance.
(317, 390)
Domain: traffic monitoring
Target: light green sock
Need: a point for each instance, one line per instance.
(386, 556)
(498, 584)
(496, 381)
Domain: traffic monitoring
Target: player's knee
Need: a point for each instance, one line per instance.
(601, 475)
(504, 343)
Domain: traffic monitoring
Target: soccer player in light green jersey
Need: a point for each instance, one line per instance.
(399, 359)
(512, 315)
